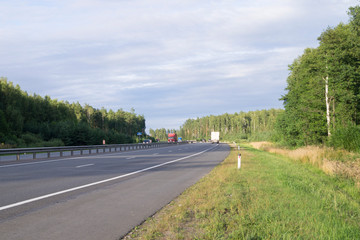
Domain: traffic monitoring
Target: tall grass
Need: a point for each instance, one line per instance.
(331, 161)
(346, 138)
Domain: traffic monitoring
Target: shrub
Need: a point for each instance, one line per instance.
(347, 138)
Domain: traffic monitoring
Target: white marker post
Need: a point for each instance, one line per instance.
(239, 161)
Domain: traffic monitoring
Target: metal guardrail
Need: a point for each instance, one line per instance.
(91, 149)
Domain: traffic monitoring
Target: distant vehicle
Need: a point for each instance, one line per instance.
(172, 138)
(215, 137)
(179, 139)
(147, 141)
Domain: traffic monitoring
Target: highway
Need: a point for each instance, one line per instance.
(97, 196)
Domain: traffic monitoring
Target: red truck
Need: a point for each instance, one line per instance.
(172, 138)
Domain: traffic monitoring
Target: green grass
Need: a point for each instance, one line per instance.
(271, 197)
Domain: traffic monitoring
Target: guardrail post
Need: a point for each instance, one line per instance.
(61, 153)
(72, 153)
(34, 155)
(48, 154)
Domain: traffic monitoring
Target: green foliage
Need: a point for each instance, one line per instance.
(161, 134)
(347, 138)
(335, 65)
(4, 128)
(232, 127)
(35, 121)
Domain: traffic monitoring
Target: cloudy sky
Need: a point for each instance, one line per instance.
(169, 60)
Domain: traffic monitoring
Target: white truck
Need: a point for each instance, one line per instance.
(215, 137)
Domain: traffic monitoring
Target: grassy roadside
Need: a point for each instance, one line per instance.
(331, 161)
(271, 197)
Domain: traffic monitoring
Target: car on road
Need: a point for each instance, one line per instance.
(147, 141)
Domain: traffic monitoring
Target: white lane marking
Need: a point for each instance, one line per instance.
(155, 154)
(99, 182)
(86, 165)
(130, 158)
(170, 150)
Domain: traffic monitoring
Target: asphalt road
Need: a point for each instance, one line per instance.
(98, 196)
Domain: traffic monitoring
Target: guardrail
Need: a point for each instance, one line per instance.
(48, 152)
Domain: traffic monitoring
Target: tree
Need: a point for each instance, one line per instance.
(323, 86)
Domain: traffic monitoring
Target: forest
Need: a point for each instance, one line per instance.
(254, 125)
(31, 120)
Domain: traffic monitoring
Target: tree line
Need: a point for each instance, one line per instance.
(160, 134)
(254, 125)
(251, 125)
(32, 120)
(322, 102)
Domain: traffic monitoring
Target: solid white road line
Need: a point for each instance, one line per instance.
(99, 182)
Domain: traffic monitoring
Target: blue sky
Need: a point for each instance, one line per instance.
(169, 60)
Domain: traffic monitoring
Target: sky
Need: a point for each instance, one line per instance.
(169, 60)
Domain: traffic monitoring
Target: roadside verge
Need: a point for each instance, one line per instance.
(270, 197)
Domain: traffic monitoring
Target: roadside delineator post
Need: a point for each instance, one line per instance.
(239, 160)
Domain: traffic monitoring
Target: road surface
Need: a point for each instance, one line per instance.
(99, 196)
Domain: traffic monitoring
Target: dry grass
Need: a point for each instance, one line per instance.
(331, 161)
